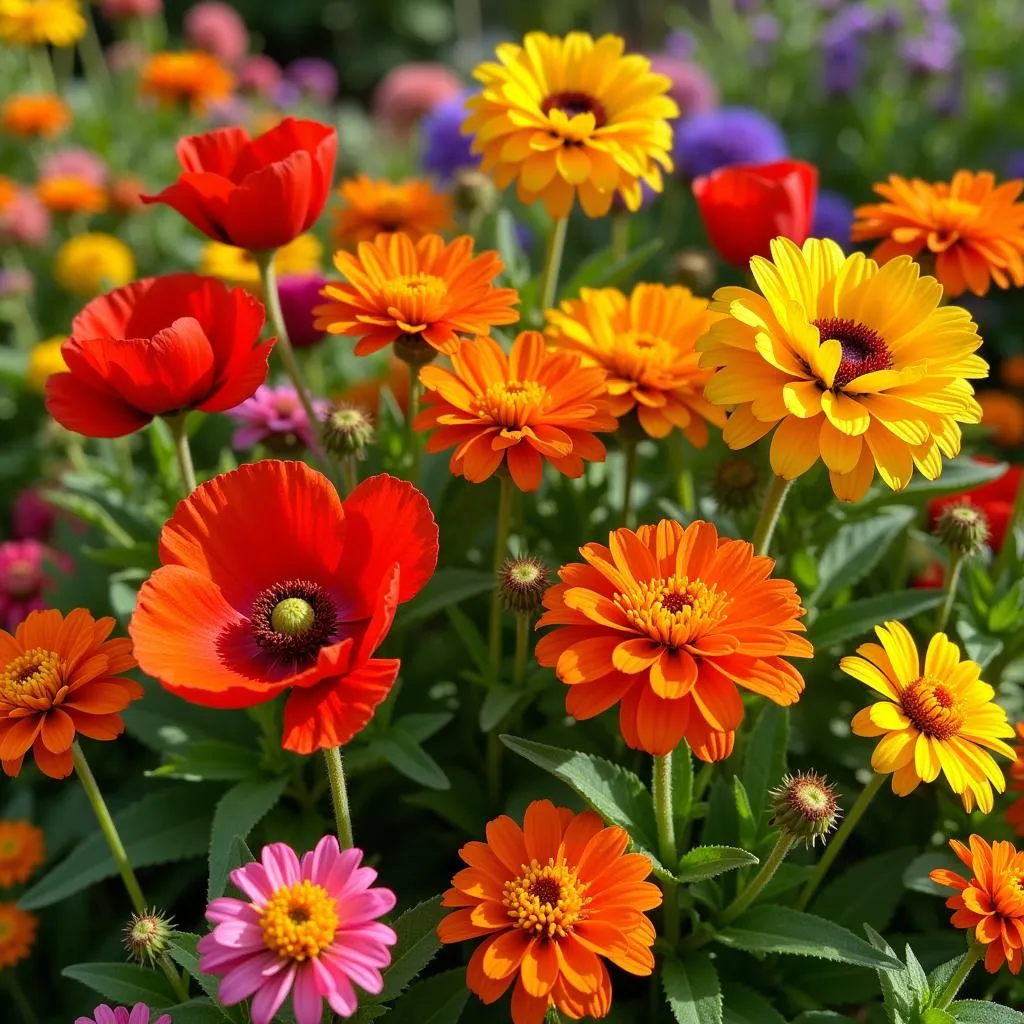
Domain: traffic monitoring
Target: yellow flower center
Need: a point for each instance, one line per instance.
(952, 217)
(545, 900)
(1009, 901)
(511, 403)
(933, 708)
(299, 921)
(403, 292)
(674, 611)
(638, 353)
(33, 680)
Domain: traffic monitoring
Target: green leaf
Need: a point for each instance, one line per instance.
(182, 950)
(403, 753)
(602, 269)
(866, 893)
(774, 929)
(707, 861)
(472, 640)
(1006, 612)
(446, 587)
(211, 760)
(197, 1011)
(238, 812)
(616, 794)
(437, 1000)
(900, 990)
(124, 983)
(859, 618)
(934, 1015)
(915, 876)
(975, 1011)
(764, 762)
(692, 990)
(744, 813)
(743, 1005)
(416, 946)
(160, 828)
(498, 702)
(821, 1017)
(517, 267)
(682, 787)
(942, 975)
(957, 475)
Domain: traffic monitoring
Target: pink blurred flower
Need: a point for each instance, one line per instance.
(219, 29)
(125, 55)
(275, 416)
(299, 293)
(259, 74)
(692, 87)
(309, 929)
(25, 221)
(121, 10)
(16, 281)
(138, 1014)
(409, 91)
(22, 580)
(32, 517)
(75, 162)
(314, 77)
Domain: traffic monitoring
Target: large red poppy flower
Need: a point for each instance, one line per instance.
(271, 583)
(254, 193)
(157, 347)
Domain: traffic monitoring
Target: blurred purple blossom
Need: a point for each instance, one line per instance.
(314, 77)
(679, 44)
(934, 51)
(842, 45)
(692, 87)
(833, 217)
(275, 416)
(729, 135)
(445, 149)
(16, 281)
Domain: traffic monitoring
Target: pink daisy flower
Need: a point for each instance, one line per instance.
(23, 580)
(310, 928)
(275, 416)
(138, 1014)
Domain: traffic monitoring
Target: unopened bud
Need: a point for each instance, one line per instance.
(963, 528)
(412, 349)
(147, 936)
(736, 484)
(522, 582)
(695, 269)
(347, 430)
(805, 807)
(474, 193)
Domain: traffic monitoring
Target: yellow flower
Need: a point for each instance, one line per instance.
(44, 359)
(572, 116)
(939, 718)
(237, 266)
(38, 22)
(412, 207)
(852, 363)
(90, 264)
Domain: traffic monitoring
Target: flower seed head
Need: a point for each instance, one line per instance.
(347, 430)
(473, 192)
(522, 582)
(736, 484)
(804, 806)
(147, 936)
(963, 528)
(695, 269)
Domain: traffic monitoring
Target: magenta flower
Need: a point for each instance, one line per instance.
(138, 1014)
(299, 293)
(275, 416)
(219, 29)
(310, 928)
(32, 516)
(22, 580)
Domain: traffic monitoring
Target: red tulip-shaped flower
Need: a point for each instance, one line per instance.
(747, 205)
(158, 347)
(257, 193)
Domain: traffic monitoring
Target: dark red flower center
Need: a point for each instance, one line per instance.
(675, 602)
(864, 349)
(546, 890)
(291, 621)
(573, 103)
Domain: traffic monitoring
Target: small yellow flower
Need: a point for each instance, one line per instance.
(238, 267)
(38, 22)
(44, 359)
(90, 264)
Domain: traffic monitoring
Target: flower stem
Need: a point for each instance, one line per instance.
(500, 547)
(28, 1015)
(743, 900)
(620, 235)
(183, 451)
(349, 475)
(627, 483)
(769, 517)
(974, 953)
(956, 563)
(415, 395)
(1009, 547)
(839, 839)
(339, 796)
(94, 63)
(663, 812)
(552, 264)
(522, 646)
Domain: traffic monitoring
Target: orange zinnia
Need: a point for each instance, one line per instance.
(21, 852)
(424, 295)
(549, 900)
(17, 934)
(527, 407)
(668, 621)
(1015, 812)
(68, 193)
(992, 902)
(191, 77)
(372, 207)
(972, 228)
(30, 116)
(58, 677)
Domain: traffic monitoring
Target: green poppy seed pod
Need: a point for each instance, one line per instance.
(522, 582)
(963, 528)
(147, 936)
(347, 430)
(804, 806)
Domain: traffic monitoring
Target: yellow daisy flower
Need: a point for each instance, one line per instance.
(90, 264)
(849, 362)
(238, 267)
(38, 22)
(44, 359)
(572, 117)
(371, 207)
(937, 719)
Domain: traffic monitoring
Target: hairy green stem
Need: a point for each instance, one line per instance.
(500, 548)
(552, 264)
(743, 900)
(956, 564)
(663, 812)
(769, 517)
(339, 796)
(620, 235)
(183, 451)
(974, 953)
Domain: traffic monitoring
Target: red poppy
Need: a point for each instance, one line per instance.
(745, 206)
(156, 347)
(271, 583)
(995, 499)
(257, 193)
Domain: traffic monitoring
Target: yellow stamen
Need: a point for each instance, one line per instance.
(546, 900)
(933, 707)
(674, 611)
(33, 680)
(299, 921)
(512, 403)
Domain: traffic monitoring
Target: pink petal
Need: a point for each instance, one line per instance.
(307, 1001)
(281, 866)
(139, 1014)
(343, 999)
(347, 862)
(365, 906)
(247, 978)
(253, 881)
(229, 909)
(360, 880)
(320, 862)
(354, 968)
(239, 935)
(269, 998)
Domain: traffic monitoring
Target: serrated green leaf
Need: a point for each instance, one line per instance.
(692, 990)
(899, 993)
(436, 1000)
(403, 753)
(446, 587)
(1006, 612)
(866, 893)
(942, 975)
(934, 1015)
(742, 1005)
(124, 983)
(858, 618)
(707, 861)
(417, 944)
(975, 1011)
(197, 1011)
(764, 763)
(774, 929)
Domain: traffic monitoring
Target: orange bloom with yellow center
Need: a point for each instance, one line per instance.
(646, 343)
(425, 295)
(30, 116)
(371, 207)
(550, 900)
(667, 622)
(59, 677)
(530, 406)
(17, 934)
(1015, 812)
(67, 193)
(21, 852)
(971, 228)
(191, 77)
(991, 902)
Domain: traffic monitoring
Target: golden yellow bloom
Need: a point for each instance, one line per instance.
(370, 207)
(38, 22)
(190, 77)
(21, 852)
(68, 193)
(850, 362)
(939, 717)
(572, 117)
(237, 266)
(91, 264)
(645, 342)
(1003, 414)
(30, 115)
(44, 359)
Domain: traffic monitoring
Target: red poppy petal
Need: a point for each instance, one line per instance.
(240, 380)
(215, 151)
(268, 209)
(107, 316)
(202, 200)
(88, 410)
(383, 615)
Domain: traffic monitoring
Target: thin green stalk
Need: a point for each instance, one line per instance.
(339, 796)
(1010, 537)
(769, 517)
(620, 235)
(123, 456)
(552, 264)
(627, 483)
(663, 812)
(94, 63)
(415, 447)
(42, 68)
(183, 451)
(500, 547)
(974, 953)
(839, 839)
(743, 900)
(956, 563)
(522, 647)
(349, 474)
(28, 1015)
(494, 757)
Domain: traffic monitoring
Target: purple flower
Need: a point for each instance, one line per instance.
(692, 87)
(16, 281)
(844, 67)
(138, 1014)
(679, 44)
(730, 135)
(275, 415)
(22, 580)
(314, 77)
(1014, 166)
(445, 149)
(833, 217)
(934, 52)
(32, 517)
(299, 293)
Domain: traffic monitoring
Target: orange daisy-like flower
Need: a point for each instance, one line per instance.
(646, 343)
(68, 193)
(21, 852)
(191, 77)
(17, 934)
(1015, 784)
(30, 116)
(550, 900)
(425, 295)
(668, 622)
(371, 207)
(58, 677)
(991, 903)
(972, 228)
(526, 407)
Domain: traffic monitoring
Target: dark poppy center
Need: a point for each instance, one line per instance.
(864, 349)
(291, 621)
(573, 103)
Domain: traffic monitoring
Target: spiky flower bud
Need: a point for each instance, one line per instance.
(147, 936)
(522, 582)
(736, 484)
(963, 528)
(695, 269)
(347, 430)
(804, 806)
(474, 193)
